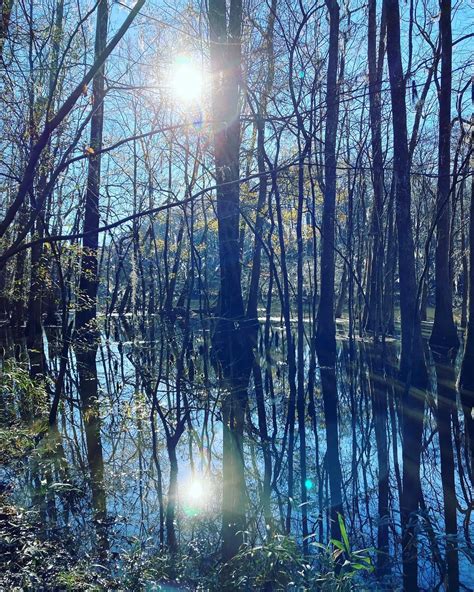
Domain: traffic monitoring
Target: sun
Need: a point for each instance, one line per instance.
(196, 491)
(195, 494)
(186, 80)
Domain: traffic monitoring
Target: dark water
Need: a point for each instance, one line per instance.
(102, 479)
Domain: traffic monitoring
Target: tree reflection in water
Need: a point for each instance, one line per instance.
(112, 449)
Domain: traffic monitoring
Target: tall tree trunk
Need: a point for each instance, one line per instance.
(466, 375)
(301, 399)
(390, 268)
(252, 301)
(326, 330)
(412, 363)
(412, 359)
(444, 334)
(38, 265)
(341, 301)
(88, 282)
(233, 352)
(374, 316)
(465, 271)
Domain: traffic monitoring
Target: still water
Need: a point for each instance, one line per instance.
(103, 478)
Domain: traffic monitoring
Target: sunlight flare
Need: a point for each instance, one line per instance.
(186, 80)
(196, 493)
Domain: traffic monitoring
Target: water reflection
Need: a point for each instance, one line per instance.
(446, 409)
(90, 413)
(378, 381)
(138, 451)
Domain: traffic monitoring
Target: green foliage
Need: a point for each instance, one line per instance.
(15, 443)
(23, 407)
(30, 563)
(277, 562)
(78, 578)
(279, 565)
(33, 559)
(142, 569)
(339, 565)
(21, 395)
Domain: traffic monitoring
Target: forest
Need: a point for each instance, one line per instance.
(236, 295)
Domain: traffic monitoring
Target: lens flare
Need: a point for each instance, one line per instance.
(195, 495)
(185, 80)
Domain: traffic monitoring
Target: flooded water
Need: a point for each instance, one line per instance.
(103, 478)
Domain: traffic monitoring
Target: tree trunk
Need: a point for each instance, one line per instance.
(301, 399)
(466, 375)
(326, 330)
(341, 301)
(374, 316)
(412, 360)
(172, 496)
(444, 334)
(412, 363)
(465, 271)
(88, 282)
(38, 262)
(230, 342)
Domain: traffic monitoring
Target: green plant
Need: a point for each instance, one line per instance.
(76, 579)
(340, 566)
(15, 443)
(278, 564)
(20, 394)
